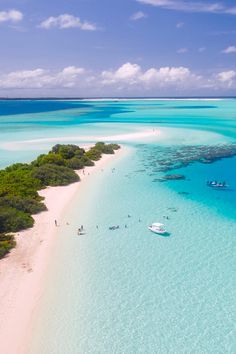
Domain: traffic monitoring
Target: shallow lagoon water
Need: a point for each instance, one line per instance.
(130, 291)
(46, 120)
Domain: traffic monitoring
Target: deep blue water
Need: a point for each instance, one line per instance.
(13, 107)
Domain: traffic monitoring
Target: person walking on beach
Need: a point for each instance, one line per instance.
(55, 223)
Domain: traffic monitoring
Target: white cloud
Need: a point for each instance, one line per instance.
(67, 21)
(26, 74)
(129, 78)
(127, 73)
(227, 75)
(227, 79)
(191, 6)
(166, 76)
(40, 78)
(229, 50)
(182, 50)
(11, 16)
(138, 16)
(180, 25)
(132, 74)
(72, 71)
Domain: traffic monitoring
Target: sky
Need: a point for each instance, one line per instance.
(105, 48)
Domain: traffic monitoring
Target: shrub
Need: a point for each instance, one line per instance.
(114, 146)
(66, 151)
(79, 152)
(53, 175)
(106, 148)
(12, 220)
(17, 166)
(93, 154)
(86, 161)
(20, 183)
(75, 163)
(28, 205)
(102, 147)
(7, 242)
(49, 158)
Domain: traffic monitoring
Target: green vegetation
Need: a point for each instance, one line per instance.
(12, 220)
(106, 148)
(20, 183)
(54, 175)
(7, 242)
(100, 148)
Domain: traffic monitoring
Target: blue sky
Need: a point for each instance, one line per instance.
(117, 47)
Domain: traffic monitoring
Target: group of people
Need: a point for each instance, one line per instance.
(80, 230)
(115, 227)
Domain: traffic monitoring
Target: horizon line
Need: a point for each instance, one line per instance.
(112, 97)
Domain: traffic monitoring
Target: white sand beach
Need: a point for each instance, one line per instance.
(139, 135)
(22, 272)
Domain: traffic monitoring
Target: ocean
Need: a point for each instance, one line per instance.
(129, 290)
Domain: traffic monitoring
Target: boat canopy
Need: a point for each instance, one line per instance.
(157, 224)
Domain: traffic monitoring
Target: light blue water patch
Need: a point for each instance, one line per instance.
(130, 291)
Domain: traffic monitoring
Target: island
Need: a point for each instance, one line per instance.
(20, 183)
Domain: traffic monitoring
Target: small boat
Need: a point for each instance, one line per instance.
(220, 186)
(158, 228)
(217, 185)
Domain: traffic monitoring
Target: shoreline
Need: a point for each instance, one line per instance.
(22, 271)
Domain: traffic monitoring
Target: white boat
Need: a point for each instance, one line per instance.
(217, 185)
(157, 228)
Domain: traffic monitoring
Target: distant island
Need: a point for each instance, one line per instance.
(20, 183)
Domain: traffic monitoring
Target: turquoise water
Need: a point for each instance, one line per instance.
(24, 121)
(130, 291)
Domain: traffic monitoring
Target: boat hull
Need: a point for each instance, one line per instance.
(158, 232)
